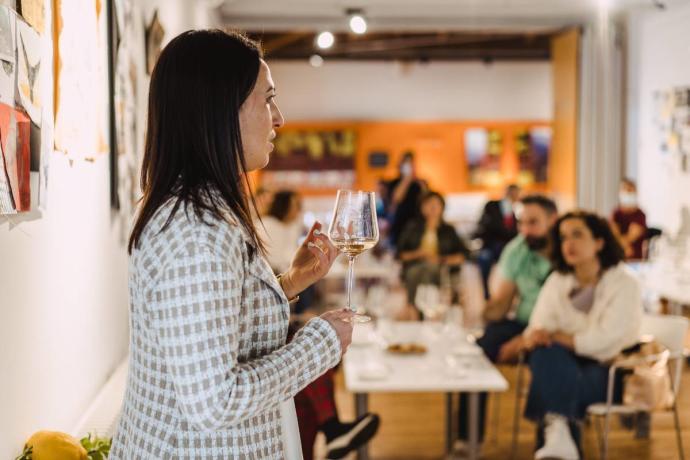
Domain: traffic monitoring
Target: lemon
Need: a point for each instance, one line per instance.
(53, 445)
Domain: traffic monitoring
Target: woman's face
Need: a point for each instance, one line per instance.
(432, 209)
(259, 117)
(577, 242)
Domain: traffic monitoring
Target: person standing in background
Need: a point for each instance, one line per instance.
(404, 193)
(496, 227)
(283, 228)
(629, 222)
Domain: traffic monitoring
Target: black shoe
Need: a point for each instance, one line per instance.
(353, 436)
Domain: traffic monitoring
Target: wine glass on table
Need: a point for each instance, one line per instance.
(354, 229)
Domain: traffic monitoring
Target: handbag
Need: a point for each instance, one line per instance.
(648, 387)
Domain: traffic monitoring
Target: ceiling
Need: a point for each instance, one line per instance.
(425, 46)
(417, 29)
(418, 15)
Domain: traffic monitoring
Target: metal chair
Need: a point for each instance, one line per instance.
(670, 331)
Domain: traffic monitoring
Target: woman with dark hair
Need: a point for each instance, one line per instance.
(283, 229)
(588, 311)
(426, 245)
(210, 373)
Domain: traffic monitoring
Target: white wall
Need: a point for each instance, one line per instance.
(659, 59)
(391, 90)
(63, 287)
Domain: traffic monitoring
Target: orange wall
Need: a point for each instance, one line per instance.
(563, 164)
(438, 148)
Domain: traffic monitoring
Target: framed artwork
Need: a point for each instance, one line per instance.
(483, 152)
(533, 147)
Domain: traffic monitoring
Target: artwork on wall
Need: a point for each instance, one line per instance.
(81, 109)
(128, 65)
(154, 39)
(672, 123)
(34, 12)
(25, 128)
(313, 159)
(483, 150)
(533, 146)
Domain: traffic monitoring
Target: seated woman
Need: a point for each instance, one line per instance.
(588, 311)
(426, 245)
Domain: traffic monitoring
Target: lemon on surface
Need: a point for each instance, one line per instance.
(53, 445)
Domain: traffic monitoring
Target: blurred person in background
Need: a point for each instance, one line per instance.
(588, 311)
(425, 246)
(629, 222)
(523, 267)
(404, 193)
(315, 404)
(496, 227)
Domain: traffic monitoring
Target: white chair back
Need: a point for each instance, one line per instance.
(669, 330)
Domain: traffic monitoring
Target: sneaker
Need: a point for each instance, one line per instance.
(558, 443)
(353, 436)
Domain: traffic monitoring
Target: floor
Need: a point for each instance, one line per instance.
(413, 428)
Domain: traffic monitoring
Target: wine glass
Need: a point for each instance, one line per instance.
(354, 229)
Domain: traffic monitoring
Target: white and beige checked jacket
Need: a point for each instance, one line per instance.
(209, 365)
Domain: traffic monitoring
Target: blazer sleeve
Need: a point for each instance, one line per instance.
(195, 312)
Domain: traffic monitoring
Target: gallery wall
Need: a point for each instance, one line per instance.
(658, 148)
(63, 266)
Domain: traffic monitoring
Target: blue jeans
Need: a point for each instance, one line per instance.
(495, 335)
(564, 383)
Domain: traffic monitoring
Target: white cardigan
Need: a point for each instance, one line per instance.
(612, 324)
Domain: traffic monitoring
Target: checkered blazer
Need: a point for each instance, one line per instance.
(209, 364)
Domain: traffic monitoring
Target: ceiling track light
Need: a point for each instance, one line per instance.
(325, 40)
(358, 24)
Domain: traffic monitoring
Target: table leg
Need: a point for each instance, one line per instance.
(473, 426)
(361, 408)
(449, 423)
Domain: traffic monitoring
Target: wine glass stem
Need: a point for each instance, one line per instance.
(350, 281)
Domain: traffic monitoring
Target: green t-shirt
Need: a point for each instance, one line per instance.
(528, 270)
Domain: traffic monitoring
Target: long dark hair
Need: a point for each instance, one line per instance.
(193, 150)
(281, 204)
(610, 255)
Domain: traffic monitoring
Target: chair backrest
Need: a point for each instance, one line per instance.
(669, 330)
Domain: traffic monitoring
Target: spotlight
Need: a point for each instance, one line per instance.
(325, 40)
(357, 22)
(315, 60)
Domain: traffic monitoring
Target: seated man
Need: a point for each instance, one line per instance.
(524, 266)
(426, 245)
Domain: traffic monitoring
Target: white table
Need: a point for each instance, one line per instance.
(451, 365)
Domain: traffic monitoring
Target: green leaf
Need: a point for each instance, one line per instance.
(28, 453)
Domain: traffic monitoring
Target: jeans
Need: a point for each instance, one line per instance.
(495, 335)
(564, 383)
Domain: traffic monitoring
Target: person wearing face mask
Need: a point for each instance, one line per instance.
(629, 221)
(404, 193)
(523, 267)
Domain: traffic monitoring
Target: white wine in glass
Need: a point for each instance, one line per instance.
(354, 229)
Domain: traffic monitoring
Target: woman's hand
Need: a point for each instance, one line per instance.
(341, 321)
(510, 350)
(311, 262)
(563, 339)
(537, 338)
